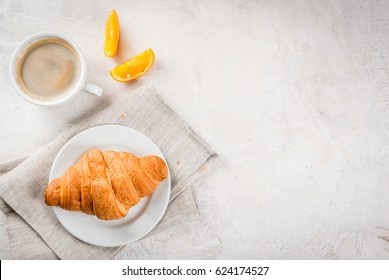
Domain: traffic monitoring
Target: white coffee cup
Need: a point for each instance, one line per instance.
(79, 83)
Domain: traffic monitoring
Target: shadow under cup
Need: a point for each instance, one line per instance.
(47, 69)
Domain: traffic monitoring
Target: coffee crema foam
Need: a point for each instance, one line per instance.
(48, 69)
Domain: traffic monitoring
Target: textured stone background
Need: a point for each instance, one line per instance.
(293, 95)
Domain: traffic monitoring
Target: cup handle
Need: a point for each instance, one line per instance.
(93, 89)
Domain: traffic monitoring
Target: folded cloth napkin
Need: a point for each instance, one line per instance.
(23, 187)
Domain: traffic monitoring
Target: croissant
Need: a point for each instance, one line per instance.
(106, 183)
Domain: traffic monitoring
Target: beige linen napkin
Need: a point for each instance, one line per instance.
(23, 187)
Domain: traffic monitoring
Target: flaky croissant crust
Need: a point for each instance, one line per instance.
(106, 183)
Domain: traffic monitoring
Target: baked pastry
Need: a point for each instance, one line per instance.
(106, 183)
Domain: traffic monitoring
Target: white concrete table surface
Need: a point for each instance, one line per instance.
(292, 94)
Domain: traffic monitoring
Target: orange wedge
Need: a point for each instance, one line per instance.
(133, 68)
(112, 32)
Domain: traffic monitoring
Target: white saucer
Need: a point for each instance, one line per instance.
(141, 218)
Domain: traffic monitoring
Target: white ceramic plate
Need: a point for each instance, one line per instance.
(141, 218)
